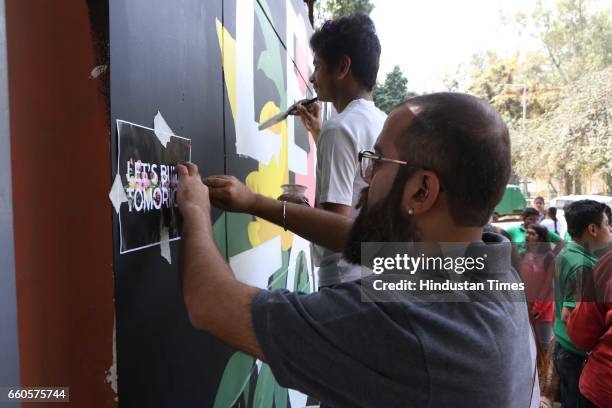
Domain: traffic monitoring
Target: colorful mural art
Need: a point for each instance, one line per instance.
(266, 65)
(227, 66)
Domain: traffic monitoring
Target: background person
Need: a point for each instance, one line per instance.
(554, 224)
(539, 205)
(590, 328)
(587, 224)
(519, 232)
(537, 269)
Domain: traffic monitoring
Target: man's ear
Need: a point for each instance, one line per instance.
(344, 67)
(420, 193)
(592, 230)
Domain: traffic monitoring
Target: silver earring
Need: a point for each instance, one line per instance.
(410, 211)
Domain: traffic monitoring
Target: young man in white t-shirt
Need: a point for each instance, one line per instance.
(346, 56)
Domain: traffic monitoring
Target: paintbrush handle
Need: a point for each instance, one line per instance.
(303, 102)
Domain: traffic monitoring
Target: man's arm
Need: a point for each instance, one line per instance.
(586, 324)
(341, 209)
(558, 241)
(216, 302)
(324, 228)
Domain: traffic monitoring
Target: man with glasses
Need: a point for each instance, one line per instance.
(437, 171)
(346, 54)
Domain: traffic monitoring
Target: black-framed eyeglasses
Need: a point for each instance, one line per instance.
(368, 160)
(367, 163)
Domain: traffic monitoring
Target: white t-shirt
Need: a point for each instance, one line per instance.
(550, 224)
(338, 177)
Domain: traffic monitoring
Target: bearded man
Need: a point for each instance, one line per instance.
(439, 167)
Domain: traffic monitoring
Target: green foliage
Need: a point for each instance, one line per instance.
(332, 9)
(339, 8)
(576, 137)
(565, 131)
(574, 38)
(393, 91)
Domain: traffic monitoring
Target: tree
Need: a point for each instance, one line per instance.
(392, 91)
(339, 8)
(332, 9)
(575, 139)
(575, 39)
(567, 134)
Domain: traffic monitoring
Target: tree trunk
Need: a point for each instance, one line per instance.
(567, 183)
(577, 185)
(608, 177)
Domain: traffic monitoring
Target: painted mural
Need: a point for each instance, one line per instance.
(265, 58)
(215, 70)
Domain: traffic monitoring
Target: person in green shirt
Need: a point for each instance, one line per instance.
(588, 225)
(517, 233)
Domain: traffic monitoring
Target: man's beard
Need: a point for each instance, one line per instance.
(383, 222)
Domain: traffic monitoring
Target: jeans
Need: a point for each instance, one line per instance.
(568, 366)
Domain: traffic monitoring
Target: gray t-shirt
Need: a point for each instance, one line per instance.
(350, 353)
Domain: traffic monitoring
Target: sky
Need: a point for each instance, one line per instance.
(429, 38)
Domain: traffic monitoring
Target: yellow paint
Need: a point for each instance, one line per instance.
(269, 177)
(267, 181)
(228, 55)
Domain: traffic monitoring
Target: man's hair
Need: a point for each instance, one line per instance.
(529, 211)
(353, 36)
(580, 214)
(466, 143)
(538, 198)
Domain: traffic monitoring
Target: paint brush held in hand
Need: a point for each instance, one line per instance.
(283, 115)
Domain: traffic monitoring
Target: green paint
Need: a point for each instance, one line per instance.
(279, 278)
(235, 379)
(302, 277)
(237, 230)
(280, 396)
(270, 60)
(220, 235)
(264, 391)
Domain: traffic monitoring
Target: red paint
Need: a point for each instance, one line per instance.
(62, 214)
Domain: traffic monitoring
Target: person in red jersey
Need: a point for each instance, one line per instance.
(590, 328)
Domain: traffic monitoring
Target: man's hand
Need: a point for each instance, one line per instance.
(192, 193)
(229, 194)
(311, 118)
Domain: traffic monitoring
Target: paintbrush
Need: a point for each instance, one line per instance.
(283, 115)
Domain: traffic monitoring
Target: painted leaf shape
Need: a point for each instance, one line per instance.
(235, 378)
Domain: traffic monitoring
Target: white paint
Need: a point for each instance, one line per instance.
(162, 130)
(97, 71)
(299, 245)
(297, 399)
(254, 266)
(260, 145)
(164, 244)
(111, 374)
(117, 193)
